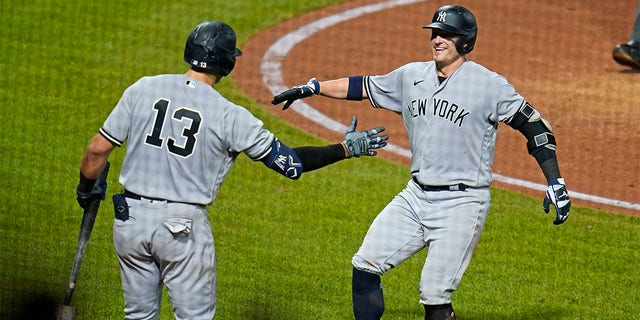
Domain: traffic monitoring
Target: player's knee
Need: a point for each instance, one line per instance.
(363, 264)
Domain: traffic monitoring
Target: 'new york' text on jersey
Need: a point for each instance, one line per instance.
(456, 120)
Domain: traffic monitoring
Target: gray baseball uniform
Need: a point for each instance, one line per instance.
(182, 138)
(165, 119)
(452, 128)
(452, 123)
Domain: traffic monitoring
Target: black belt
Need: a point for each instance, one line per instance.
(454, 187)
(135, 196)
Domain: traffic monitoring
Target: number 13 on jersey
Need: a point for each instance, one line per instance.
(191, 125)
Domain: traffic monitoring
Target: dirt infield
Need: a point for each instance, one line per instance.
(556, 54)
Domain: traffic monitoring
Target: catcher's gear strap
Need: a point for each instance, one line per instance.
(355, 88)
(536, 129)
(313, 158)
(283, 160)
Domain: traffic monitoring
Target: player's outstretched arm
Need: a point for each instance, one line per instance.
(350, 88)
(293, 162)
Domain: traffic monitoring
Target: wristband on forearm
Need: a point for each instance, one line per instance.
(85, 184)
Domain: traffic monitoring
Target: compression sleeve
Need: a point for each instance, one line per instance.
(548, 162)
(313, 158)
(292, 162)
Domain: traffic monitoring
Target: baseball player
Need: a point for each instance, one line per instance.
(451, 107)
(182, 139)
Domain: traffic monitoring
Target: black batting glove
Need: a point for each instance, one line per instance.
(298, 92)
(558, 196)
(88, 190)
(362, 143)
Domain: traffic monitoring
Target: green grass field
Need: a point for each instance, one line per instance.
(283, 247)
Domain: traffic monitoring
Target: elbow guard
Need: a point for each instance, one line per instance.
(536, 129)
(283, 160)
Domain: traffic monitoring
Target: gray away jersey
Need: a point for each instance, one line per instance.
(182, 138)
(451, 126)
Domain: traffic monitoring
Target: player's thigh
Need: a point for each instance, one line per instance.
(187, 259)
(451, 241)
(394, 235)
(139, 273)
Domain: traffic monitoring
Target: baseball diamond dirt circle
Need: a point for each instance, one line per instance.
(556, 54)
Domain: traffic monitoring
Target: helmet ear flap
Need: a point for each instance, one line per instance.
(466, 43)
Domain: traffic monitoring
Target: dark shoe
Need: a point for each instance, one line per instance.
(442, 315)
(628, 54)
(439, 312)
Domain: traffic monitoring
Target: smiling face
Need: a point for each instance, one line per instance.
(445, 54)
(443, 47)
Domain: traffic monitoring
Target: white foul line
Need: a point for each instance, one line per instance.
(271, 70)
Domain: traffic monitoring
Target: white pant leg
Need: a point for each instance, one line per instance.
(171, 244)
(187, 262)
(139, 272)
(395, 235)
(454, 221)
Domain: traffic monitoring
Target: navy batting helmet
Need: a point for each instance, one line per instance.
(457, 20)
(212, 46)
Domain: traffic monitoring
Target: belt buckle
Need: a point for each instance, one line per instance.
(458, 187)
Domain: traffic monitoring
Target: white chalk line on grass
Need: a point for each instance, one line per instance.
(271, 70)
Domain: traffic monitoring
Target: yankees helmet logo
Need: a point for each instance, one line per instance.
(442, 16)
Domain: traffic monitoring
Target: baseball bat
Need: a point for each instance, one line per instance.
(86, 226)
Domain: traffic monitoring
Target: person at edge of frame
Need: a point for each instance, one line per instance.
(182, 139)
(451, 107)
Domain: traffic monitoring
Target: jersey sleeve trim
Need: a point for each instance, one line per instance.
(367, 89)
(264, 154)
(109, 137)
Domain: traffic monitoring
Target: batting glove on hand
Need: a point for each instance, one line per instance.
(558, 196)
(85, 197)
(358, 143)
(298, 92)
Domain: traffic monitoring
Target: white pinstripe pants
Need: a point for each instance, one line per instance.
(166, 244)
(447, 223)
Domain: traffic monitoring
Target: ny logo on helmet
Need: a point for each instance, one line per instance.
(442, 16)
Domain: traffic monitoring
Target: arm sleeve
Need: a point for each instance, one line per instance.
(548, 162)
(313, 158)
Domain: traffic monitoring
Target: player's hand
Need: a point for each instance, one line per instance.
(558, 196)
(298, 92)
(359, 143)
(85, 197)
